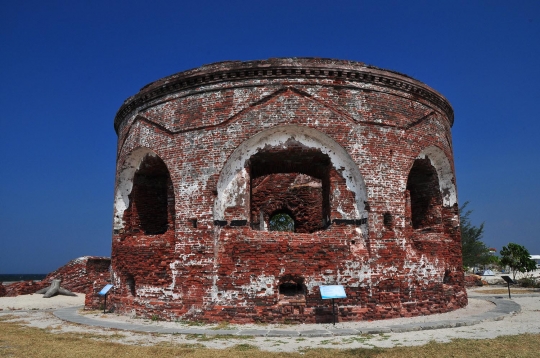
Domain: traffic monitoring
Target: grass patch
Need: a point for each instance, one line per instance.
(383, 337)
(214, 337)
(155, 318)
(7, 317)
(363, 338)
(17, 340)
(222, 325)
(245, 347)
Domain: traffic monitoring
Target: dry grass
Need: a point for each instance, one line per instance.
(502, 291)
(17, 340)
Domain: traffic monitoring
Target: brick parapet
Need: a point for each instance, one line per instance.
(328, 72)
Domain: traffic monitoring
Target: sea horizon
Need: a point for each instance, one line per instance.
(15, 277)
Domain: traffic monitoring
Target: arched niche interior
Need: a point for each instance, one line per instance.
(291, 183)
(290, 158)
(145, 196)
(431, 193)
(425, 197)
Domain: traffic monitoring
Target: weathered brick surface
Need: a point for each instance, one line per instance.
(361, 158)
(78, 275)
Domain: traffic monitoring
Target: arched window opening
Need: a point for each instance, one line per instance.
(425, 196)
(292, 286)
(296, 178)
(281, 222)
(290, 289)
(151, 208)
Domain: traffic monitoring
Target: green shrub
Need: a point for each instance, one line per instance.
(529, 282)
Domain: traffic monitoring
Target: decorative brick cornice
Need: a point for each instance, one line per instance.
(339, 71)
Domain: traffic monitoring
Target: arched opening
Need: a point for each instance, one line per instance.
(291, 153)
(425, 196)
(293, 184)
(281, 221)
(151, 201)
(290, 289)
(292, 286)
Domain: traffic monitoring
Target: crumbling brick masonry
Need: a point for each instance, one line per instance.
(241, 187)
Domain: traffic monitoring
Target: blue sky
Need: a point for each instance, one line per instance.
(67, 66)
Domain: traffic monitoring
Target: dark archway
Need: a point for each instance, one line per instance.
(425, 196)
(294, 181)
(151, 201)
(292, 286)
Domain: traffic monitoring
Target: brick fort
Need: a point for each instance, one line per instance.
(242, 187)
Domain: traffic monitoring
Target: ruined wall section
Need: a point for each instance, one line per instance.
(213, 265)
(78, 275)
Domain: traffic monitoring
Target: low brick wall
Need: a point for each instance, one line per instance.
(78, 276)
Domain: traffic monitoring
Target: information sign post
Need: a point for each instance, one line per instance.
(104, 291)
(508, 281)
(333, 292)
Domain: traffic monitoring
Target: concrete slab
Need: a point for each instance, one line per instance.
(405, 328)
(219, 332)
(282, 333)
(316, 333)
(502, 308)
(253, 332)
(437, 325)
(378, 330)
(344, 332)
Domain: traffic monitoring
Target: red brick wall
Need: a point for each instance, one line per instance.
(233, 138)
(77, 276)
(285, 192)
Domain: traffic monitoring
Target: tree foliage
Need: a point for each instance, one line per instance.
(517, 257)
(281, 222)
(474, 251)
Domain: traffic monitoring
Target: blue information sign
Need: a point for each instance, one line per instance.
(333, 291)
(105, 290)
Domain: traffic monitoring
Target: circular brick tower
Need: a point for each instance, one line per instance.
(242, 187)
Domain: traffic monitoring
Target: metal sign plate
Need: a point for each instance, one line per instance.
(105, 290)
(333, 291)
(508, 279)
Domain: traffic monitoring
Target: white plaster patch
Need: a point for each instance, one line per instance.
(125, 183)
(358, 271)
(232, 196)
(444, 171)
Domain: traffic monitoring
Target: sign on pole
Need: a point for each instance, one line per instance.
(333, 292)
(104, 292)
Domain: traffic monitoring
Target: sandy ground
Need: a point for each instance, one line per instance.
(35, 311)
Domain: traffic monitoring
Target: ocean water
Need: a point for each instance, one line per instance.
(14, 277)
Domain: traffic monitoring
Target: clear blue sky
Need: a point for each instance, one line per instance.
(67, 66)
